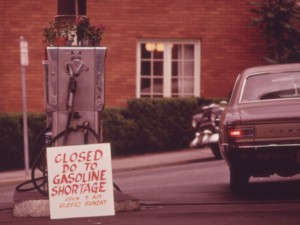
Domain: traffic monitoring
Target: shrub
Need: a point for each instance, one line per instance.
(163, 123)
(119, 131)
(11, 138)
(149, 125)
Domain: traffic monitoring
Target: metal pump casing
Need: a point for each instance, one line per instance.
(86, 67)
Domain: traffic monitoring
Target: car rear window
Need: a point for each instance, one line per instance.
(271, 86)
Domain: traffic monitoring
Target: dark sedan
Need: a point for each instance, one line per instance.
(260, 127)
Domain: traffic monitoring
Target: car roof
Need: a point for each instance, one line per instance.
(271, 68)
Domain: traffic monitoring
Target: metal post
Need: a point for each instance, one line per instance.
(24, 62)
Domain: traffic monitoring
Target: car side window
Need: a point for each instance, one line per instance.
(271, 86)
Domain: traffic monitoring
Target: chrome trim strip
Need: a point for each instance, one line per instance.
(268, 100)
(270, 146)
(265, 146)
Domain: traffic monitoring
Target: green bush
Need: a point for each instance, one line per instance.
(11, 142)
(11, 138)
(119, 131)
(146, 125)
(149, 125)
(164, 124)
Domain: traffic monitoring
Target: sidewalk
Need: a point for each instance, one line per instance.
(130, 163)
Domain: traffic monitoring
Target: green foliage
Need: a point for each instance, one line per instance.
(11, 138)
(163, 123)
(149, 125)
(10, 141)
(119, 131)
(279, 21)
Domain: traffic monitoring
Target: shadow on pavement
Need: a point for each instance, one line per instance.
(272, 191)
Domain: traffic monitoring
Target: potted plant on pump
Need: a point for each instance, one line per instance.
(62, 32)
(87, 34)
(58, 32)
(82, 30)
(49, 33)
(96, 34)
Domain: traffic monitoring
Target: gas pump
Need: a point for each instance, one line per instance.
(75, 92)
(74, 99)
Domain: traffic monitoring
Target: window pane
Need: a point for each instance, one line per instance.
(158, 54)
(174, 68)
(158, 68)
(145, 85)
(188, 86)
(188, 69)
(158, 85)
(182, 87)
(144, 53)
(145, 68)
(174, 86)
(176, 50)
(188, 52)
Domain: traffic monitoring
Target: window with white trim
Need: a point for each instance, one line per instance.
(168, 68)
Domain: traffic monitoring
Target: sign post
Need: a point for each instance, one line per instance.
(80, 181)
(24, 62)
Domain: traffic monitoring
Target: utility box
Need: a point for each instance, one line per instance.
(74, 91)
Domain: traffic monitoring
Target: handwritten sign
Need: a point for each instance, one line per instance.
(80, 181)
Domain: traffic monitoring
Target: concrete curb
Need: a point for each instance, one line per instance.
(34, 204)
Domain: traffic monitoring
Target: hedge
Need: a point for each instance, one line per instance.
(145, 125)
(149, 125)
(11, 138)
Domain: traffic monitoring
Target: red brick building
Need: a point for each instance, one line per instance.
(156, 48)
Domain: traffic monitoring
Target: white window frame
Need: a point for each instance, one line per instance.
(167, 64)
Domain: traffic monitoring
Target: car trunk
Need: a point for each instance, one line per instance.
(276, 120)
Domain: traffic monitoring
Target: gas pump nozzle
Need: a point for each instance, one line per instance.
(73, 69)
(72, 86)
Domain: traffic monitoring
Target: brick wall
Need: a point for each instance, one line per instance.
(227, 44)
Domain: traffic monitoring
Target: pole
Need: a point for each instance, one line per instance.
(76, 19)
(24, 62)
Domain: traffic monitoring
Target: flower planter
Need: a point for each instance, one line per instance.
(96, 42)
(85, 42)
(60, 41)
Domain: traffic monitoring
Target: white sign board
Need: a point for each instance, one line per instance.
(80, 181)
(24, 53)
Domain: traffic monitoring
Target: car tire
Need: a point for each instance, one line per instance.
(239, 181)
(216, 151)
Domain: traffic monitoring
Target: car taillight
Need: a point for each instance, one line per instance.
(241, 132)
